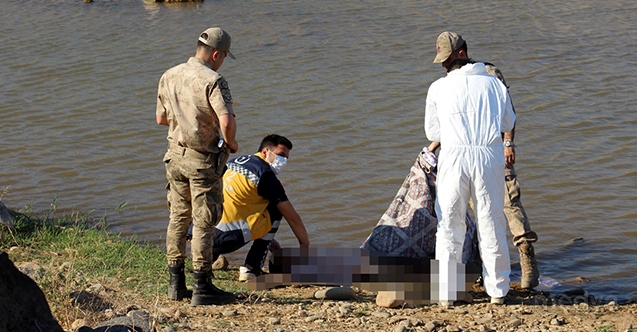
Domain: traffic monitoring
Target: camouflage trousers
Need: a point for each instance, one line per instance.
(514, 212)
(195, 195)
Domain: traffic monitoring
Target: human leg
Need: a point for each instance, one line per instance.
(523, 236)
(488, 198)
(177, 285)
(226, 242)
(451, 204)
(207, 199)
(204, 292)
(180, 208)
(514, 211)
(178, 197)
(255, 259)
(528, 265)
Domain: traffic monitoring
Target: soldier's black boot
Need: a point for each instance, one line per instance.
(177, 286)
(205, 293)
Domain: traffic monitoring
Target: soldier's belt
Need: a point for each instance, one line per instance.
(188, 152)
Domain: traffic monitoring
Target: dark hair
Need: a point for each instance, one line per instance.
(273, 140)
(462, 47)
(457, 64)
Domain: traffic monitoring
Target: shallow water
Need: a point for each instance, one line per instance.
(346, 82)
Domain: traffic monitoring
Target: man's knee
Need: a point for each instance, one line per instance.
(207, 216)
(177, 230)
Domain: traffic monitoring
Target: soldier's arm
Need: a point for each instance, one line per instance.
(160, 110)
(509, 152)
(228, 128)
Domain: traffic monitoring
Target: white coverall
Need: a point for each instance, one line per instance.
(466, 112)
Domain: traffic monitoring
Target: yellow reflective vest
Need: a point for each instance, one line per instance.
(243, 208)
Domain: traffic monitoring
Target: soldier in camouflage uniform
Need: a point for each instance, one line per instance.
(194, 101)
(451, 46)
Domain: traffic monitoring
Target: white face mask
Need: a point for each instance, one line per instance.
(278, 163)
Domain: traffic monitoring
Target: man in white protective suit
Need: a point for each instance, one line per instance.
(466, 112)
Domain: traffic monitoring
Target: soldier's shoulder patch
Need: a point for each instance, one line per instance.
(225, 90)
(495, 71)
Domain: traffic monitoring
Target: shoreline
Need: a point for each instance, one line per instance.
(90, 276)
(294, 308)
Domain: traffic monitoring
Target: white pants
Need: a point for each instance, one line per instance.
(476, 172)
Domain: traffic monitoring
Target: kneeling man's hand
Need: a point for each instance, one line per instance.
(274, 245)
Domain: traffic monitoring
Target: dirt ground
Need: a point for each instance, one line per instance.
(294, 308)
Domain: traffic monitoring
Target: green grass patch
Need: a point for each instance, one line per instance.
(605, 328)
(86, 248)
(77, 251)
(361, 312)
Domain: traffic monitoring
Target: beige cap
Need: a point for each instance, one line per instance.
(446, 43)
(218, 39)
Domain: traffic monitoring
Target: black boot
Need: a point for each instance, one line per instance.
(177, 286)
(205, 293)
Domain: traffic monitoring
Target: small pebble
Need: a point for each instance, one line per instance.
(381, 314)
(400, 328)
(229, 313)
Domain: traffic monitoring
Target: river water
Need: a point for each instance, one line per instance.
(346, 82)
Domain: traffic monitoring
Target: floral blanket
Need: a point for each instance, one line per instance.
(408, 227)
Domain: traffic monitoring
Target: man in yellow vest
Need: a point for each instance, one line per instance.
(254, 203)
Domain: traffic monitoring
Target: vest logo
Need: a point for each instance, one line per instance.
(242, 159)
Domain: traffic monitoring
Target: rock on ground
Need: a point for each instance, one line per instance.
(388, 299)
(336, 293)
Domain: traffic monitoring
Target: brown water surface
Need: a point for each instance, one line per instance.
(346, 82)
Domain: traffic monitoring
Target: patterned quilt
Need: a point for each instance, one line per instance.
(408, 227)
